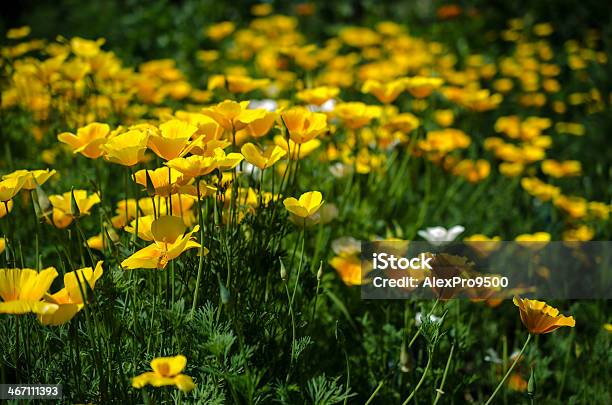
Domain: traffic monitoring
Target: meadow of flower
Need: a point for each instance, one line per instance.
(186, 229)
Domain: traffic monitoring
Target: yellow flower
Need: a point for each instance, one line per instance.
(173, 137)
(23, 289)
(233, 116)
(244, 84)
(164, 180)
(558, 169)
(86, 48)
(539, 189)
(355, 114)
(608, 327)
(88, 139)
(19, 32)
(348, 268)
(260, 124)
(444, 118)
(127, 149)
(581, 233)
(534, 241)
(144, 227)
(509, 169)
(2, 245)
(32, 177)
(170, 241)
(10, 187)
(303, 125)
(540, 317)
(385, 92)
(195, 166)
(62, 206)
(302, 150)
(420, 86)
(6, 207)
(575, 207)
(221, 30)
(318, 95)
(70, 299)
(166, 371)
(262, 159)
(304, 211)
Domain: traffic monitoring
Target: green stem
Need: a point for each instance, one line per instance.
(516, 360)
(380, 384)
(201, 259)
(448, 362)
(414, 391)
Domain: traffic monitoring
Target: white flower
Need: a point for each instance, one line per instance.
(266, 104)
(346, 245)
(249, 170)
(418, 319)
(439, 235)
(327, 106)
(340, 169)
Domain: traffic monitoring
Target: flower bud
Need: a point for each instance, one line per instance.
(283, 270)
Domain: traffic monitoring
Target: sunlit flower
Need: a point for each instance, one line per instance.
(127, 149)
(32, 177)
(88, 140)
(22, 291)
(304, 211)
(164, 180)
(71, 299)
(169, 242)
(166, 371)
(356, 115)
(303, 125)
(262, 159)
(10, 187)
(539, 317)
(173, 137)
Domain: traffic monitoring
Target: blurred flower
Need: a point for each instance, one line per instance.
(539, 317)
(19, 32)
(62, 206)
(221, 30)
(356, 115)
(439, 235)
(166, 371)
(386, 93)
(23, 289)
(318, 95)
(348, 267)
